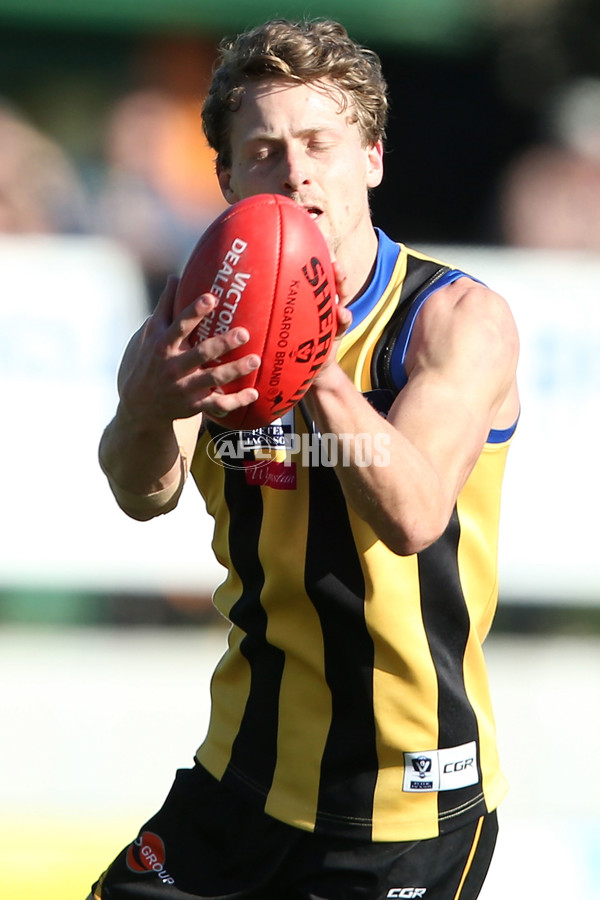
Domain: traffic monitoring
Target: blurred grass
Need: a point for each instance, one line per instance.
(47, 607)
(97, 720)
(57, 858)
(44, 606)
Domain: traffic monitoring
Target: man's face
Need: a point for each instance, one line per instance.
(293, 139)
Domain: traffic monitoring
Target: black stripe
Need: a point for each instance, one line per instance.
(255, 746)
(446, 621)
(335, 585)
(420, 274)
(484, 852)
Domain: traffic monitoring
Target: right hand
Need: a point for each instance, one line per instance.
(164, 376)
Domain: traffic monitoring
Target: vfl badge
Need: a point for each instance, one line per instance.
(422, 766)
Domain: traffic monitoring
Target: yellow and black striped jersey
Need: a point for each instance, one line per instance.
(353, 696)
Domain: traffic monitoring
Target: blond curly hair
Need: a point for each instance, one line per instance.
(306, 51)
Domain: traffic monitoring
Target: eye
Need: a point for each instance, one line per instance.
(262, 152)
(321, 142)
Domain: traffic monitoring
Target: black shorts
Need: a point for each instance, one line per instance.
(206, 842)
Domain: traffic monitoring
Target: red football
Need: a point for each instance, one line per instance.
(268, 265)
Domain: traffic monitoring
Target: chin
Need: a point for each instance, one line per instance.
(325, 230)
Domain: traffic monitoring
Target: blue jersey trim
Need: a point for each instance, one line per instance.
(387, 256)
(397, 370)
(501, 435)
(388, 252)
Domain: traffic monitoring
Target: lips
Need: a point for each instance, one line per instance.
(313, 211)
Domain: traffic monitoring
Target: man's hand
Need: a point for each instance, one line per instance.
(166, 383)
(164, 376)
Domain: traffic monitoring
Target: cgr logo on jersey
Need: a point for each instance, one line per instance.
(441, 770)
(147, 855)
(409, 893)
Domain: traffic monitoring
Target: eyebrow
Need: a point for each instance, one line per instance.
(302, 133)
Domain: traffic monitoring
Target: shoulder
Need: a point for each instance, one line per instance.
(467, 295)
(467, 321)
(468, 305)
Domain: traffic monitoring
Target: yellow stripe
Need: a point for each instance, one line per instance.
(209, 474)
(470, 859)
(231, 684)
(407, 716)
(412, 712)
(304, 708)
(231, 679)
(477, 561)
(479, 514)
(355, 354)
(419, 255)
(98, 891)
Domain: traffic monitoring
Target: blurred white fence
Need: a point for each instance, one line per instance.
(69, 305)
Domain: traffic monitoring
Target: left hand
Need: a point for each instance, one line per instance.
(344, 316)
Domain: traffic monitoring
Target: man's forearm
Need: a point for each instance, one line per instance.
(146, 468)
(400, 495)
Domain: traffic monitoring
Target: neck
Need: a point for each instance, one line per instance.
(358, 262)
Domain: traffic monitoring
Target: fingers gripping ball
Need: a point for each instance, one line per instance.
(268, 265)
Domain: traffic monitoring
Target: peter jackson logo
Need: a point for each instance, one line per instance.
(231, 449)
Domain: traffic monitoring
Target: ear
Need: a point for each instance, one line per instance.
(224, 178)
(374, 164)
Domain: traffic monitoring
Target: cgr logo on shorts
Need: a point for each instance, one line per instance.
(147, 855)
(407, 893)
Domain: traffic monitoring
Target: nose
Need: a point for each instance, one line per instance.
(295, 169)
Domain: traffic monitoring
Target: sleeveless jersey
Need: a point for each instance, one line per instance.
(353, 696)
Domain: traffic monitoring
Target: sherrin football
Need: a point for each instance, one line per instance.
(268, 265)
